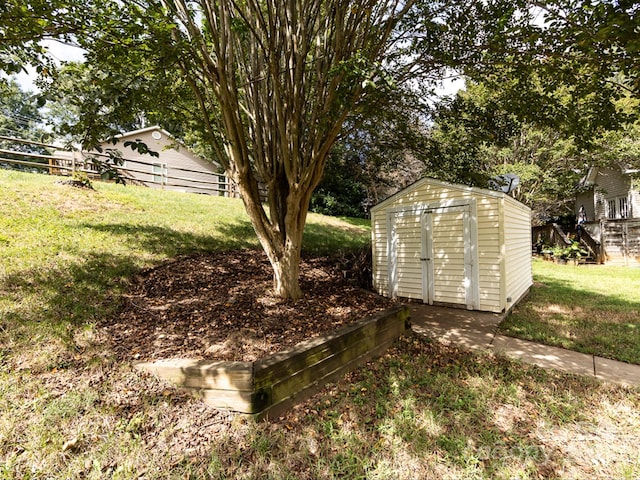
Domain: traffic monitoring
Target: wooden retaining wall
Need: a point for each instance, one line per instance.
(269, 386)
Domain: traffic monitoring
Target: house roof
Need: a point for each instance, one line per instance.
(158, 128)
(147, 129)
(589, 180)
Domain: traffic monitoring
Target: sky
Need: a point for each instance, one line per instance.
(60, 52)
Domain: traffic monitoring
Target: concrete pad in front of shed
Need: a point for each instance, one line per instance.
(617, 372)
(469, 329)
(544, 356)
(469, 339)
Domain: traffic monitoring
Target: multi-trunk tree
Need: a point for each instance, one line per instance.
(275, 81)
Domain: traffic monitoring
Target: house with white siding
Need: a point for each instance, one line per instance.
(175, 168)
(452, 245)
(610, 200)
(609, 193)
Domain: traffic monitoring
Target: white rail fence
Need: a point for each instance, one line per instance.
(136, 171)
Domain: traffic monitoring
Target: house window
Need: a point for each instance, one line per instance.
(623, 203)
(612, 210)
(159, 173)
(618, 208)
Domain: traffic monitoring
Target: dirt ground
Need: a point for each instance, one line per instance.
(221, 307)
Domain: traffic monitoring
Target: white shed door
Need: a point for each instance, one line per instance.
(432, 254)
(447, 257)
(405, 273)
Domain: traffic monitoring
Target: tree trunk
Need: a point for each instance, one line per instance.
(280, 234)
(283, 248)
(286, 273)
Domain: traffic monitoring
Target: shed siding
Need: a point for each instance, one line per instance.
(423, 193)
(489, 253)
(379, 253)
(517, 238)
(502, 241)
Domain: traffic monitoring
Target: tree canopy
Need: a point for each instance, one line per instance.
(378, 151)
(477, 136)
(20, 114)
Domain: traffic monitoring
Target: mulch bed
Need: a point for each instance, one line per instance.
(221, 306)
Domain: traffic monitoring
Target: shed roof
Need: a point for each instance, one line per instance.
(432, 181)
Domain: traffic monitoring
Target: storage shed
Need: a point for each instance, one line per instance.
(452, 245)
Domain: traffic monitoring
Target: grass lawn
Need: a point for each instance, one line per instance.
(69, 409)
(589, 308)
